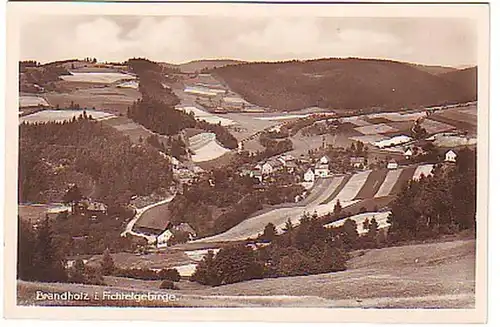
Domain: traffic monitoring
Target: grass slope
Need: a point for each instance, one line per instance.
(404, 177)
(337, 190)
(337, 83)
(372, 184)
(435, 275)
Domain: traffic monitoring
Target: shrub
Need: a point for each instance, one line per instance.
(169, 274)
(168, 285)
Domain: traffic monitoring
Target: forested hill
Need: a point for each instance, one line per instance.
(343, 84)
(104, 164)
(466, 79)
(156, 110)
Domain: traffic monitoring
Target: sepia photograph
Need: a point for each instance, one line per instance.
(247, 156)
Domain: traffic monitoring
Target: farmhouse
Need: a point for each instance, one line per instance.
(90, 207)
(309, 175)
(163, 238)
(258, 175)
(185, 228)
(392, 164)
(450, 156)
(324, 160)
(357, 162)
(267, 168)
(321, 170)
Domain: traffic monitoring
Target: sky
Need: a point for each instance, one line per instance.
(178, 39)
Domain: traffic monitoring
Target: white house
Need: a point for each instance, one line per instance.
(162, 239)
(450, 156)
(357, 162)
(392, 164)
(408, 153)
(321, 170)
(267, 169)
(309, 175)
(324, 160)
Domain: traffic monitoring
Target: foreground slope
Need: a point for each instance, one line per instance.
(436, 275)
(339, 84)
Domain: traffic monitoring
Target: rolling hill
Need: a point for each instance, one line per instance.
(203, 64)
(349, 83)
(464, 78)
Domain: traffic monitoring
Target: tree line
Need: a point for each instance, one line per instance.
(442, 203)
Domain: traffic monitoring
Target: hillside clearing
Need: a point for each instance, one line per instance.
(32, 101)
(380, 217)
(390, 180)
(62, 115)
(96, 77)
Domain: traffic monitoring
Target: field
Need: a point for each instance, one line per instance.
(32, 101)
(210, 151)
(351, 188)
(62, 115)
(433, 127)
(461, 118)
(380, 217)
(372, 184)
(354, 192)
(404, 177)
(205, 147)
(97, 77)
(390, 180)
(375, 129)
(332, 192)
(449, 141)
(34, 212)
(435, 275)
(112, 99)
(206, 116)
(399, 117)
(395, 140)
(130, 128)
(422, 170)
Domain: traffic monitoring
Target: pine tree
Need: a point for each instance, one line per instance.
(337, 209)
(25, 251)
(107, 263)
(366, 224)
(373, 227)
(47, 261)
(269, 233)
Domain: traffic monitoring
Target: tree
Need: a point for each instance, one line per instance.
(366, 224)
(47, 261)
(288, 225)
(237, 263)
(73, 195)
(170, 274)
(372, 228)
(337, 209)
(107, 263)
(206, 272)
(269, 233)
(350, 234)
(25, 251)
(77, 272)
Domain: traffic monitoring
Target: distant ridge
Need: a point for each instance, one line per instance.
(197, 66)
(347, 83)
